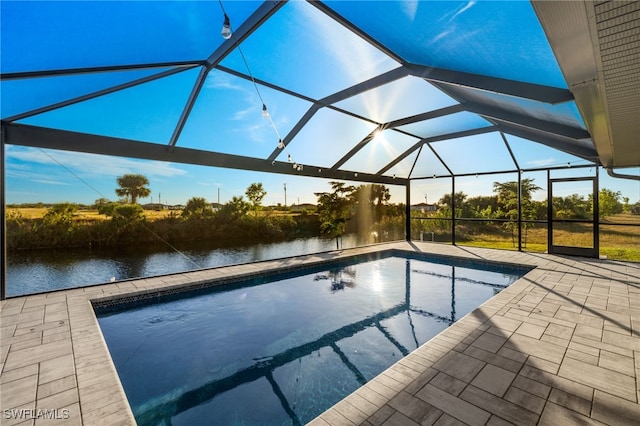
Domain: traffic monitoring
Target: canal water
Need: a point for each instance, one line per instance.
(36, 271)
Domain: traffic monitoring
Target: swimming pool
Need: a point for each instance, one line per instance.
(281, 350)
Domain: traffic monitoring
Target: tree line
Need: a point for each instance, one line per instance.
(240, 220)
(364, 210)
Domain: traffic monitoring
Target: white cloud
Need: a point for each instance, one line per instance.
(90, 165)
(543, 162)
(464, 8)
(50, 182)
(410, 8)
(353, 56)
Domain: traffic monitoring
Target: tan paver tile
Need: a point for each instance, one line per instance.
(422, 380)
(19, 392)
(490, 342)
(581, 356)
(594, 333)
(363, 405)
(618, 340)
(561, 331)
(447, 420)
(19, 416)
(498, 406)
(399, 419)
(379, 387)
(56, 368)
(351, 412)
(559, 382)
(36, 354)
(538, 348)
(513, 355)
(598, 377)
(33, 317)
(448, 384)
(570, 401)
(453, 406)
(415, 408)
(497, 421)
(613, 410)
(497, 360)
(371, 396)
(56, 386)
(616, 362)
(18, 373)
(58, 400)
(333, 417)
(543, 364)
(460, 366)
(504, 323)
(67, 416)
(589, 320)
(494, 379)
(531, 386)
(525, 399)
(554, 415)
(531, 330)
(117, 409)
(381, 416)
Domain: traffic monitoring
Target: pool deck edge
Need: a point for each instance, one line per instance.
(562, 343)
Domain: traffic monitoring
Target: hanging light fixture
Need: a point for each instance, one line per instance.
(265, 112)
(226, 28)
(280, 144)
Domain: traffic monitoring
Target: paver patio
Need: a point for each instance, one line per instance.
(559, 346)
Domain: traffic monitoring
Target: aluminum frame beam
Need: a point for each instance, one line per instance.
(264, 11)
(41, 137)
(536, 92)
(98, 93)
(93, 70)
(527, 121)
(582, 149)
(427, 141)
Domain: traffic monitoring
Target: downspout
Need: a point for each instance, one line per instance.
(611, 173)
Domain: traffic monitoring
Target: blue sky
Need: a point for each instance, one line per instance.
(298, 48)
(49, 176)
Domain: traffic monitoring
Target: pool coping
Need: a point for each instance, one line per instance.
(55, 358)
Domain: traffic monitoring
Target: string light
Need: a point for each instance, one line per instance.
(226, 28)
(226, 33)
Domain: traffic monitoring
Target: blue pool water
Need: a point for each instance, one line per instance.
(283, 351)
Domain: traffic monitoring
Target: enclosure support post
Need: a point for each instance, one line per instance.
(519, 210)
(549, 212)
(3, 213)
(453, 210)
(596, 214)
(407, 211)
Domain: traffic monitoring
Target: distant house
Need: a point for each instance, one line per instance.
(154, 206)
(424, 207)
(177, 207)
(302, 207)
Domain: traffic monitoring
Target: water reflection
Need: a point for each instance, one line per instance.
(45, 270)
(325, 349)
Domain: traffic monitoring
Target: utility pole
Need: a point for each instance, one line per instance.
(285, 195)
(218, 197)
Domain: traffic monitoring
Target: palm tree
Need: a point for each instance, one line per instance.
(132, 186)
